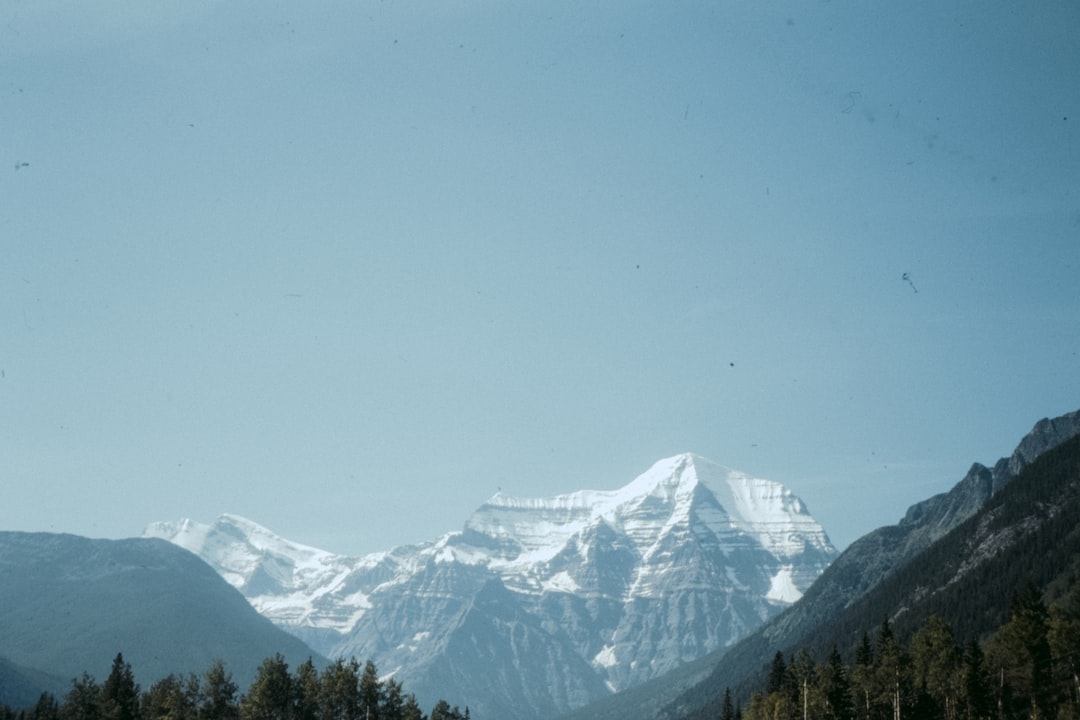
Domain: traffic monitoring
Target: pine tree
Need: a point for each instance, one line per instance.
(46, 708)
(370, 692)
(270, 696)
(119, 693)
(778, 675)
(838, 689)
(728, 710)
(1064, 637)
(411, 709)
(393, 703)
(217, 699)
(171, 698)
(339, 691)
(83, 701)
(306, 692)
(976, 693)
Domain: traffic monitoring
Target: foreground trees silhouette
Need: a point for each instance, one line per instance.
(341, 691)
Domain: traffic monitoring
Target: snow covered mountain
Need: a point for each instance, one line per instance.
(541, 605)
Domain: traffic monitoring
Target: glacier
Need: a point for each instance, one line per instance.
(540, 605)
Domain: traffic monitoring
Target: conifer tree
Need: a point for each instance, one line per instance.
(778, 675)
(46, 708)
(119, 693)
(1064, 637)
(838, 688)
(83, 701)
(392, 702)
(270, 696)
(976, 684)
(306, 692)
(339, 691)
(217, 699)
(443, 711)
(171, 698)
(370, 692)
(727, 712)
(411, 710)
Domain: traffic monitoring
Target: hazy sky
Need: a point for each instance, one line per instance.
(348, 268)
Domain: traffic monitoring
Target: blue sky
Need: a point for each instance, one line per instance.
(348, 268)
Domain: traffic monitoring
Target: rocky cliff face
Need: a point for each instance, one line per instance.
(932, 518)
(541, 605)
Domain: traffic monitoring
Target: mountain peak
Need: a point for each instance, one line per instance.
(250, 556)
(693, 552)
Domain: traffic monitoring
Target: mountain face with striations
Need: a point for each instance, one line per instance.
(857, 578)
(541, 605)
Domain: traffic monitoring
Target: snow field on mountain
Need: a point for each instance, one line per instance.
(623, 584)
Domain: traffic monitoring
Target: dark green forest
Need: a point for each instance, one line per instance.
(343, 690)
(1027, 669)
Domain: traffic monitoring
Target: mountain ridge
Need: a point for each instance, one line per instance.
(860, 568)
(1027, 533)
(609, 588)
(68, 604)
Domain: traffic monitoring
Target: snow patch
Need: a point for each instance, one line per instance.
(606, 657)
(783, 589)
(561, 582)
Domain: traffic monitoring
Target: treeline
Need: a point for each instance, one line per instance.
(341, 691)
(1027, 669)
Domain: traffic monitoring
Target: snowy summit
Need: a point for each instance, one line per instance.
(606, 589)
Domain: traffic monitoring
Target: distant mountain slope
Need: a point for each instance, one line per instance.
(68, 604)
(542, 604)
(861, 568)
(874, 556)
(21, 687)
(1030, 531)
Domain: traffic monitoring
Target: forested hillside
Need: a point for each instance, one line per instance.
(1014, 563)
(1026, 669)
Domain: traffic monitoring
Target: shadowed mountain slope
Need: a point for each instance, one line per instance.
(68, 604)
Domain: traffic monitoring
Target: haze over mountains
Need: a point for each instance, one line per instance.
(68, 604)
(541, 605)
